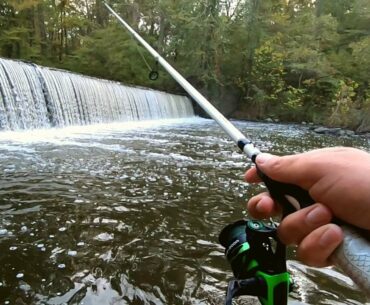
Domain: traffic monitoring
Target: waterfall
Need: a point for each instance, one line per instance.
(33, 97)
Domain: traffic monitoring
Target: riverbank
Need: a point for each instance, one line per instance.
(355, 119)
(317, 128)
(351, 128)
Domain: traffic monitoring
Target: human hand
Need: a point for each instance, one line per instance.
(338, 179)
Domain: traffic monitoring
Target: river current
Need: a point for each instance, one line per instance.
(131, 213)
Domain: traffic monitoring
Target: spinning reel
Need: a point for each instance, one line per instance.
(257, 259)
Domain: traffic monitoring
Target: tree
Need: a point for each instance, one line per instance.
(296, 58)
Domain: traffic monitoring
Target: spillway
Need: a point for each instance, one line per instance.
(33, 97)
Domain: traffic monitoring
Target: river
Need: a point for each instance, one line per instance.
(131, 213)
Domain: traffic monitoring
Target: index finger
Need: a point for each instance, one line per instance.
(251, 175)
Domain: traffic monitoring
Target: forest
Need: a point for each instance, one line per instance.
(289, 60)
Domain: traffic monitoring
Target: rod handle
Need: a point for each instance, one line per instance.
(352, 255)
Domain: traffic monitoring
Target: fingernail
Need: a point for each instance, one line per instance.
(260, 208)
(318, 216)
(263, 158)
(329, 237)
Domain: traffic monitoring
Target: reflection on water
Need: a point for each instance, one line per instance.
(111, 214)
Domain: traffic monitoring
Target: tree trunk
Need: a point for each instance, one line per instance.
(101, 13)
(42, 30)
(253, 36)
(162, 32)
(65, 33)
(61, 36)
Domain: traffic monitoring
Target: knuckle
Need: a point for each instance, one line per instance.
(275, 166)
(293, 229)
(311, 256)
(287, 235)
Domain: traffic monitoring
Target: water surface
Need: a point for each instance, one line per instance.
(130, 214)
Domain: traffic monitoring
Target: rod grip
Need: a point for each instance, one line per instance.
(353, 257)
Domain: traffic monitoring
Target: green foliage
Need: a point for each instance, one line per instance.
(266, 82)
(343, 103)
(294, 60)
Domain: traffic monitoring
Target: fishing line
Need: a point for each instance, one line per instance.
(153, 73)
(143, 57)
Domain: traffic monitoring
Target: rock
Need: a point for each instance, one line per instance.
(334, 131)
(322, 130)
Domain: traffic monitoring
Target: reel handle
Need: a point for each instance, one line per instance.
(352, 256)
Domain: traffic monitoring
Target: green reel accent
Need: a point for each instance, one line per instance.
(259, 268)
(243, 248)
(277, 288)
(252, 265)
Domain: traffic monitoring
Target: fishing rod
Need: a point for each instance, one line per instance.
(258, 267)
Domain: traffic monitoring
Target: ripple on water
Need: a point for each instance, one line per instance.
(3, 232)
(104, 237)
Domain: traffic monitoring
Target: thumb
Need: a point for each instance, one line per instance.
(295, 169)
